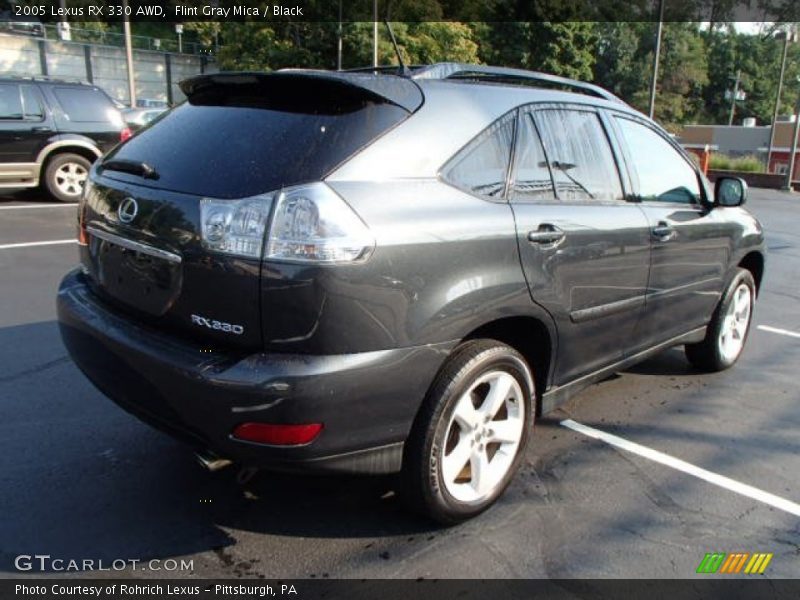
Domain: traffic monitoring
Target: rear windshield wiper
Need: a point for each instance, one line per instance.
(130, 166)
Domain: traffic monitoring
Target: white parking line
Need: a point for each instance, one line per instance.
(30, 244)
(681, 465)
(59, 205)
(780, 331)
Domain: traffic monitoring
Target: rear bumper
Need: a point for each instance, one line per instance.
(366, 401)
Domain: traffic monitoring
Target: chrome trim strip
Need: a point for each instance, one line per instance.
(603, 310)
(45, 152)
(135, 246)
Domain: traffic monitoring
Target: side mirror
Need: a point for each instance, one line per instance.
(730, 191)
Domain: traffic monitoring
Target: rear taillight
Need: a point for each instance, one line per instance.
(125, 134)
(83, 236)
(310, 224)
(235, 226)
(277, 435)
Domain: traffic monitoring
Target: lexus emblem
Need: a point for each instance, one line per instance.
(127, 210)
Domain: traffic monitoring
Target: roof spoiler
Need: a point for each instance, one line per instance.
(396, 90)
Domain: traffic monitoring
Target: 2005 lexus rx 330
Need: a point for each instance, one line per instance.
(374, 273)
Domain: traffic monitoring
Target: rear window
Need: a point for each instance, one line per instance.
(85, 105)
(234, 145)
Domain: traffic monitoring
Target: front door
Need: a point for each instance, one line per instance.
(585, 250)
(690, 244)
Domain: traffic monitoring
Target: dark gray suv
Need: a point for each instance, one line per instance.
(51, 131)
(375, 273)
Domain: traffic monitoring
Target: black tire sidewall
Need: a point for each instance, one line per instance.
(710, 346)
(52, 166)
(495, 356)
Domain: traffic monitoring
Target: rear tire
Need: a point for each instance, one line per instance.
(471, 432)
(729, 327)
(65, 176)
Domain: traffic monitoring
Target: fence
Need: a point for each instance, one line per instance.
(156, 74)
(139, 42)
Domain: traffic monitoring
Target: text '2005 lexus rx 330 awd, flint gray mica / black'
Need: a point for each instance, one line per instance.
(370, 273)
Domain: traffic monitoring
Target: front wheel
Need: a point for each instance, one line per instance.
(65, 176)
(727, 332)
(470, 436)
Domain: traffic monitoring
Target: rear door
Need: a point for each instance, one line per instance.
(585, 250)
(690, 245)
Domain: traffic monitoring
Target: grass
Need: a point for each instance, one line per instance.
(723, 162)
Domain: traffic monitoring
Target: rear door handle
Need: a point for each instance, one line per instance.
(546, 234)
(663, 231)
(41, 129)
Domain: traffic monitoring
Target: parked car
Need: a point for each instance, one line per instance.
(151, 103)
(373, 273)
(136, 118)
(22, 25)
(51, 131)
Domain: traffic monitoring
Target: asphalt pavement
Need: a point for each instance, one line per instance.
(700, 463)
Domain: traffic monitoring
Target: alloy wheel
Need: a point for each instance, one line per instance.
(483, 437)
(70, 178)
(735, 323)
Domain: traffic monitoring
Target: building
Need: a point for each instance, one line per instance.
(744, 140)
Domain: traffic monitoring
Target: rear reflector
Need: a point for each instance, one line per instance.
(125, 134)
(83, 236)
(277, 435)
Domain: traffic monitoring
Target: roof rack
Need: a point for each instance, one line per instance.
(382, 69)
(511, 76)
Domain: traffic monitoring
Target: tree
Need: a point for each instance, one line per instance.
(621, 65)
(683, 72)
(266, 46)
(758, 58)
(566, 48)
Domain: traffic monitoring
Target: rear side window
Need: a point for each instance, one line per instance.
(238, 143)
(10, 102)
(532, 179)
(580, 156)
(482, 167)
(663, 174)
(84, 105)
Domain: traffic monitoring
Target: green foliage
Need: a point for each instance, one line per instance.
(566, 49)
(723, 162)
(622, 65)
(682, 74)
(758, 59)
(697, 63)
(313, 45)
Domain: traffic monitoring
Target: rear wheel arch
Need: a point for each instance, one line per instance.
(530, 337)
(80, 150)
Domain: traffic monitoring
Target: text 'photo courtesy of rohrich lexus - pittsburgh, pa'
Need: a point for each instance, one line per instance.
(397, 271)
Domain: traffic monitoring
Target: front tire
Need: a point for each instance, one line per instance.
(471, 433)
(65, 176)
(727, 332)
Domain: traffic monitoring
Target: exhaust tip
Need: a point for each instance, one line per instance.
(211, 462)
